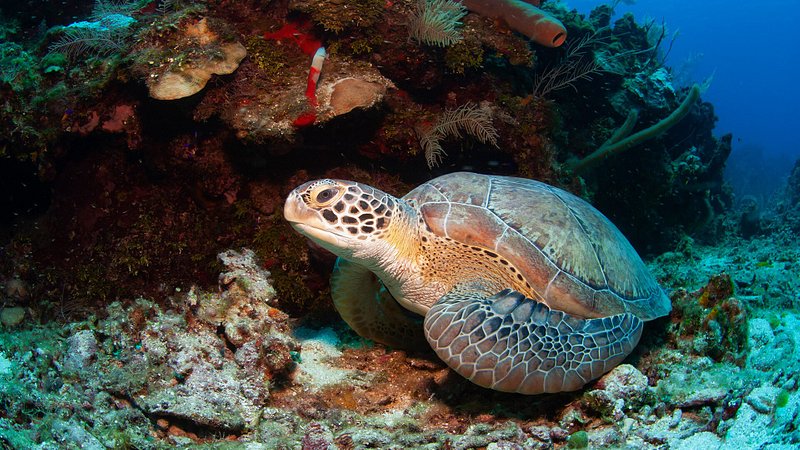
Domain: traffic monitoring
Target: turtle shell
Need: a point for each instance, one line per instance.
(574, 258)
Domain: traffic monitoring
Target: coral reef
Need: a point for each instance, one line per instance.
(202, 367)
(783, 218)
(637, 191)
(119, 332)
(228, 366)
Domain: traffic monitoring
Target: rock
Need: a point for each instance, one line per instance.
(504, 445)
(604, 438)
(370, 438)
(622, 388)
(768, 349)
(189, 372)
(625, 381)
(695, 382)
(768, 418)
(16, 288)
(317, 437)
(209, 398)
(702, 397)
(317, 368)
(481, 435)
(73, 435)
(750, 429)
(704, 439)
(243, 308)
(13, 316)
(675, 420)
(6, 366)
(605, 404)
(627, 425)
(572, 418)
(760, 332)
(244, 269)
(558, 434)
(763, 398)
(82, 351)
(540, 432)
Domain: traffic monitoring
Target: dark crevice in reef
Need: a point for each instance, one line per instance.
(224, 336)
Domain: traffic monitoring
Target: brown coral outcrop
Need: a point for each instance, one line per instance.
(351, 93)
(185, 80)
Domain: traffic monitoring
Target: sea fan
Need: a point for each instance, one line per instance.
(470, 118)
(435, 22)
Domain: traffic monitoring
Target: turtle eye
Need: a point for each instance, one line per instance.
(326, 195)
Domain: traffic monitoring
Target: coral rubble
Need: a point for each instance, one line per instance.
(227, 365)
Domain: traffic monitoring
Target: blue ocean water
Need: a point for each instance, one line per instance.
(752, 51)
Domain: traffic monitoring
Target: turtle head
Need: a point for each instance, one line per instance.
(352, 220)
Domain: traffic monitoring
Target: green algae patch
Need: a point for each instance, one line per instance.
(782, 399)
(463, 56)
(268, 56)
(578, 439)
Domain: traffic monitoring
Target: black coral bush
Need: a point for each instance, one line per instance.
(474, 120)
(77, 42)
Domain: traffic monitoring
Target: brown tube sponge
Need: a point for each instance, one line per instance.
(525, 18)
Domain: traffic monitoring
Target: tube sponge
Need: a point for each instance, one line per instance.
(618, 143)
(525, 18)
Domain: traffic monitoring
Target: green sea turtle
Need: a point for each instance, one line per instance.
(523, 287)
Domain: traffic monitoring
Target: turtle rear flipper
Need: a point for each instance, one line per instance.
(511, 343)
(370, 310)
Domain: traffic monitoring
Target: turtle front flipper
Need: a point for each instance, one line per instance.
(370, 310)
(511, 343)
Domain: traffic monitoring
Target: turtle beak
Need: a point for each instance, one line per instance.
(302, 218)
(310, 223)
(295, 210)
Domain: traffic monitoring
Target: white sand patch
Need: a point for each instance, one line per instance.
(5, 364)
(319, 350)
